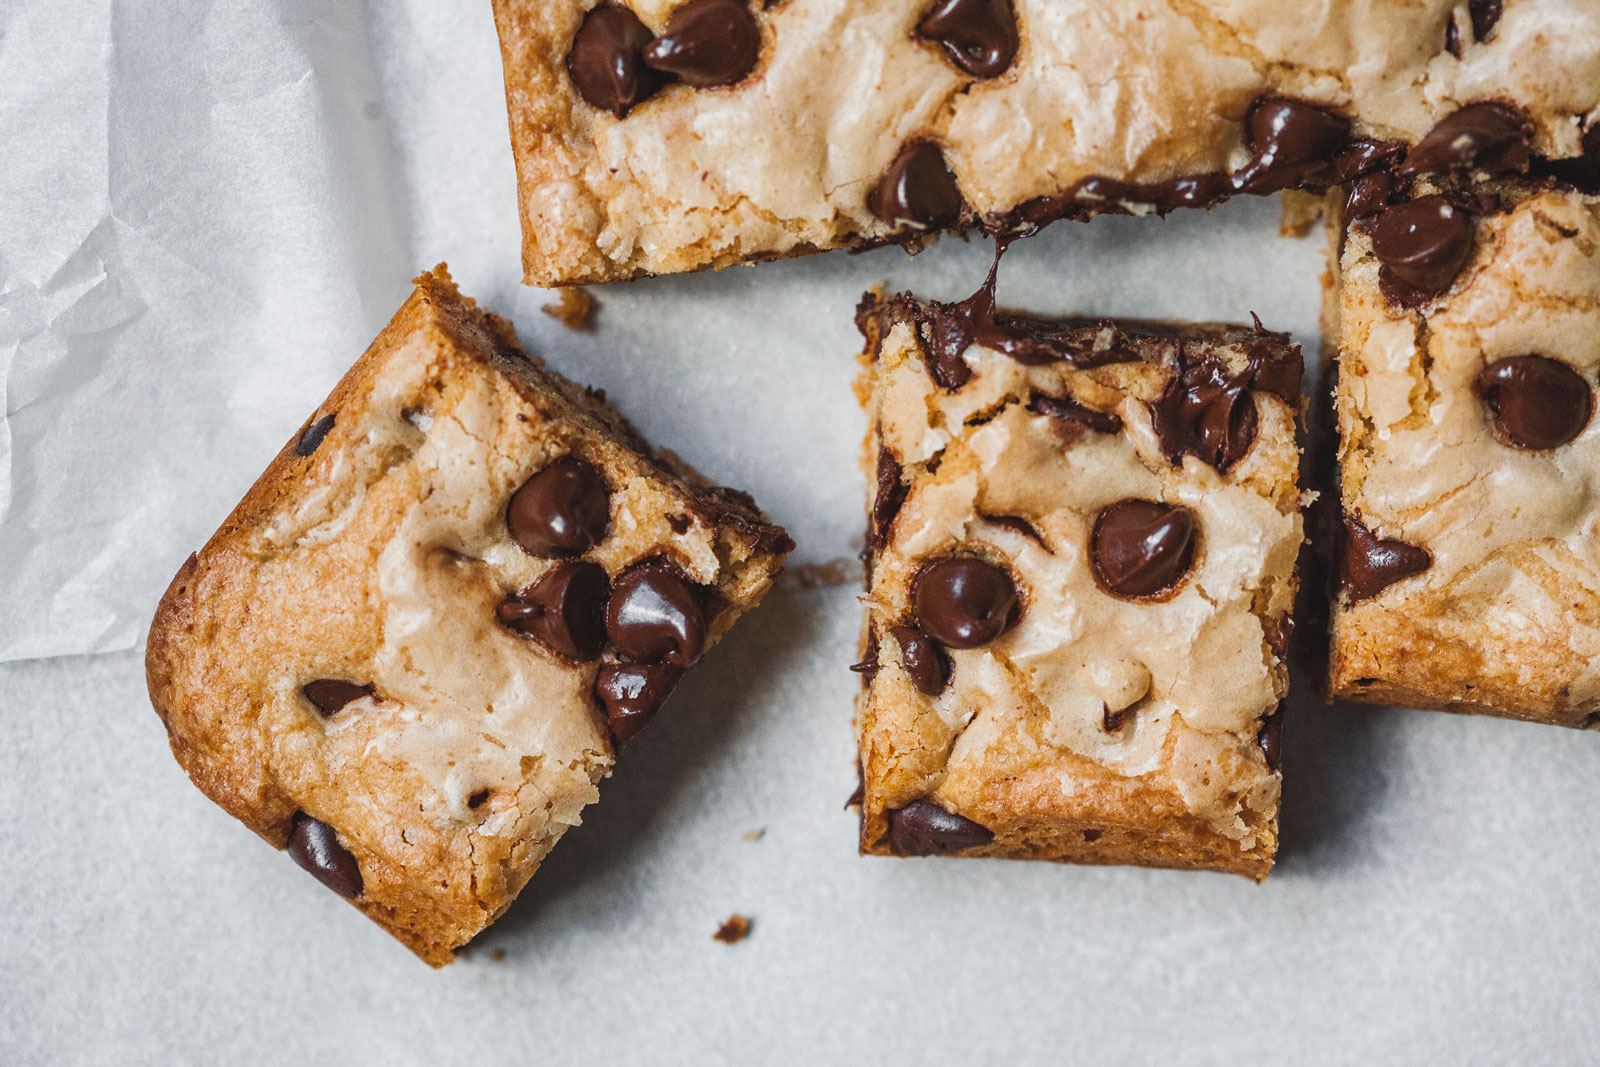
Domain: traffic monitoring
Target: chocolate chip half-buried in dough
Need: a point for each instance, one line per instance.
(562, 511)
(1424, 243)
(923, 828)
(922, 659)
(1292, 142)
(632, 693)
(313, 436)
(1205, 413)
(565, 610)
(655, 615)
(315, 847)
(918, 188)
(1486, 136)
(606, 61)
(1534, 402)
(979, 36)
(963, 602)
(1370, 564)
(329, 695)
(1142, 548)
(708, 43)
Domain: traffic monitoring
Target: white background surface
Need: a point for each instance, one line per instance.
(206, 211)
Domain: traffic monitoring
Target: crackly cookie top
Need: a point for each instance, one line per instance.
(1137, 492)
(1470, 445)
(819, 122)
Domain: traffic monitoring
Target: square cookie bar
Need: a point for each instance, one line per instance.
(658, 136)
(1082, 557)
(416, 645)
(1468, 329)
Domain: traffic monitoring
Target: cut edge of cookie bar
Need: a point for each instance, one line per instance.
(389, 595)
(1044, 799)
(1498, 610)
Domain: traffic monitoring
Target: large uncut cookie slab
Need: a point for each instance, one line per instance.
(1082, 551)
(658, 136)
(415, 647)
(1469, 347)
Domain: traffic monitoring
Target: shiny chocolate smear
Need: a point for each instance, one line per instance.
(655, 615)
(1479, 138)
(565, 610)
(562, 511)
(891, 493)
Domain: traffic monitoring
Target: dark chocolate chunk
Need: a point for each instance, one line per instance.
(313, 436)
(1371, 564)
(923, 828)
(1066, 409)
(1293, 142)
(1112, 721)
(632, 693)
(1535, 403)
(708, 43)
(1204, 413)
(886, 503)
(565, 610)
(964, 602)
(606, 63)
(922, 659)
(315, 847)
(1142, 548)
(329, 695)
(869, 665)
(979, 36)
(1484, 13)
(562, 511)
(1368, 194)
(1423, 243)
(1484, 137)
(656, 615)
(1452, 36)
(1271, 738)
(918, 188)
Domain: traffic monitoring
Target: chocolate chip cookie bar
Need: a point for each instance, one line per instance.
(1081, 561)
(1467, 318)
(658, 136)
(417, 644)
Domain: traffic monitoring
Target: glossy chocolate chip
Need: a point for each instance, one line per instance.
(1142, 548)
(979, 36)
(1484, 15)
(313, 436)
(964, 602)
(1271, 739)
(315, 847)
(1207, 414)
(655, 615)
(923, 828)
(869, 666)
(565, 610)
(632, 693)
(1535, 403)
(918, 188)
(1423, 243)
(708, 43)
(891, 493)
(606, 63)
(562, 511)
(1368, 194)
(1371, 564)
(922, 659)
(1284, 131)
(1485, 137)
(329, 695)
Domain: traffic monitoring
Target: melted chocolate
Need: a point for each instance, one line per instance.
(330, 695)
(886, 503)
(1205, 413)
(923, 660)
(918, 188)
(979, 36)
(924, 828)
(315, 846)
(1479, 138)
(1422, 245)
(708, 43)
(656, 615)
(1370, 564)
(631, 694)
(565, 610)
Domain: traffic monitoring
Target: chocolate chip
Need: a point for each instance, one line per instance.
(869, 666)
(923, 828)
(655, 615)
(708, 43)
(1291, 140)
(329, 695)
(918, 188)
(1484, 137)
(1423, 243)
(632, 693)
(1066, 409)
(1112, 721)
(315, 847)
(1452, 36)
(1534, 402)
(562, 511)
(1204, 413)
(922, 659)
(1271, 738)
(1484, 13)
(1142, 548)
(1372, 564)
(1368, 194)
(565, 610)
(605, 62)
(964, 602)
(1016, 524)
(979, 36)
(886, 502)
(313, 436)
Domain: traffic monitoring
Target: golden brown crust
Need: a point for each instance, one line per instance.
(379, 559)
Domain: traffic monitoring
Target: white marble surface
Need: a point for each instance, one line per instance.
(1434, 903)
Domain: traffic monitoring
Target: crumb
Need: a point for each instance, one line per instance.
(576, 309)
(843, 570)
(753, 835)
(497, 955)
(1301, 210)
(737, 928)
